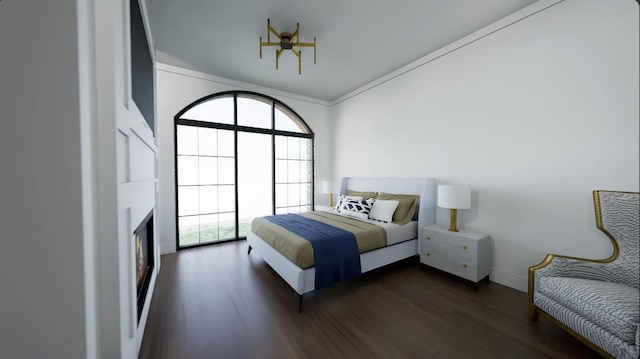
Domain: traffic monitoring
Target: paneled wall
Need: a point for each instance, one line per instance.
(136, 185)
(136, 199)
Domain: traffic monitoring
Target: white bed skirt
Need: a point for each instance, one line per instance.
(304, 280)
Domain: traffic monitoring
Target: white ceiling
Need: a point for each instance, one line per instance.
(358, 41)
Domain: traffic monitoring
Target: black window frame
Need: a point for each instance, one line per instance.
(178, 121)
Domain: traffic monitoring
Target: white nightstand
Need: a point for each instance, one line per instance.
(463, 253)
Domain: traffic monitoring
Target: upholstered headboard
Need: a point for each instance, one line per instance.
(426, 188)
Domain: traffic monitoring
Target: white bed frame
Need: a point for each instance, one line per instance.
(303, 280)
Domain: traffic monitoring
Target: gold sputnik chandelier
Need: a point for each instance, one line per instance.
(288, 41)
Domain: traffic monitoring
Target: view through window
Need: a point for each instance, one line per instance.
(239, 155)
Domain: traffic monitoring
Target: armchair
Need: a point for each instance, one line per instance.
(597, 301)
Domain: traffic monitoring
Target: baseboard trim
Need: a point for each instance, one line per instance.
(509, 279)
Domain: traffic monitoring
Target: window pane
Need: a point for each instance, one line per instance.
(226, 143)
(188, 230)
(187, 170)
(208, 228)
(293, 148)
(187, 140)
(208, 199)
(227, 198)
(304, 194)
(281, 147)
(227, 225)
(285, 122)
(254, 113)
(207, 141)
(208, 170)
(226, 171)
(282, 210)
(294, 171)
(245, 226)
(188, 202)
(293, 198)
(281, 171)
(255, 178)
(281, 195)
(218, 110)
(294, 209)
(305, 171)
(305, 149)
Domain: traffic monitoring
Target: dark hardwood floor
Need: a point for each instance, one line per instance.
(219, 302)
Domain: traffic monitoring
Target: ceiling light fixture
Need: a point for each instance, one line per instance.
(287, 42)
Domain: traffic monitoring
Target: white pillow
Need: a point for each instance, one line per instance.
(342, 199)
(382, 210)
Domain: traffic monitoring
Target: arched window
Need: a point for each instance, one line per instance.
(239, 155)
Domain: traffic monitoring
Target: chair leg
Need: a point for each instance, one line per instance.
(249, 250)
(533, 313)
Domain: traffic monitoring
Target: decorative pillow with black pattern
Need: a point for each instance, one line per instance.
(357, 208)
(342, 199)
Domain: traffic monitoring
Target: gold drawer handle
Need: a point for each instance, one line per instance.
(464, 247)
(464, 266)
(428, 238)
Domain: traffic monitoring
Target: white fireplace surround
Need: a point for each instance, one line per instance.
(135, 148)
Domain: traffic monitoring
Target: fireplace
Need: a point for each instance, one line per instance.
(143, 236)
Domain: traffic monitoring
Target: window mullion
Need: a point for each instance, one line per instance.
(235, 167)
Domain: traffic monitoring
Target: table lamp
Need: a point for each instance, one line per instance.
(326, 188)
(454, 198)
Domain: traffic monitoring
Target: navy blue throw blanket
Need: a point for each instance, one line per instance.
(335, 251)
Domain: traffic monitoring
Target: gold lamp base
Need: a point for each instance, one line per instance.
(330, 199)
(453, 226)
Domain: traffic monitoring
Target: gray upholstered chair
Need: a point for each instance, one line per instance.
(597, 301)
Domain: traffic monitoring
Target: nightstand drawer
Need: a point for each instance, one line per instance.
(451, 258)
(462, 246)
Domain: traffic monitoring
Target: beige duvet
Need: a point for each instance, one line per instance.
(299, 250)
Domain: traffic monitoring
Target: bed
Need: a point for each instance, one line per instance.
(303, 280)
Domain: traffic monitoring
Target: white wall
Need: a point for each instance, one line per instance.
(177, 88)
(42, 277)
(533, 117)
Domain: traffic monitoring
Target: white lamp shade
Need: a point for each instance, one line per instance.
(327, 187)
(457, 197)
